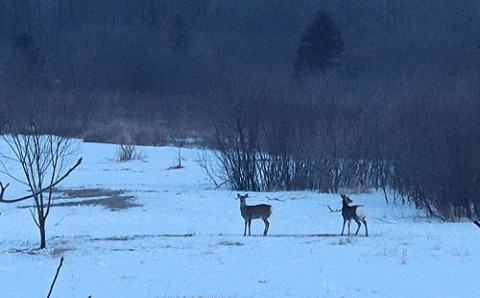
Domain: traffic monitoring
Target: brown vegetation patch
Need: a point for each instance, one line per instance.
(135, 237)
(90, 192)
(114, 203)
(230, 243)
(60, 251)
(114, 200)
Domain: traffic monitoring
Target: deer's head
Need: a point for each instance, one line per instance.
(242, 198)
(346, 200)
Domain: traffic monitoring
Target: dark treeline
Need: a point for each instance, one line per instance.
(398, 108)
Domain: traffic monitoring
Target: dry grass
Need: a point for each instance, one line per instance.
(115, 200)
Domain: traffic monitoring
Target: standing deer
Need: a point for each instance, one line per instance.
(356, 213)
(262, 211)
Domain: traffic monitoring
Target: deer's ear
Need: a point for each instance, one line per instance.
(246, 195)
(238, 195)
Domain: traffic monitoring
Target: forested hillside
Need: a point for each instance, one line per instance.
(395, 103)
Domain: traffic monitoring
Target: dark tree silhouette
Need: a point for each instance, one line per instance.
(179, 35)
(320, 44)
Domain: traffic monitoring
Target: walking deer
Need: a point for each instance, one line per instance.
(356, 213)
(262, 211)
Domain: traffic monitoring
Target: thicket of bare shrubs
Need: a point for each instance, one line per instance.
(398, 110)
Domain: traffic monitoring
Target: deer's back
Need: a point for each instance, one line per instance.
(256, 211)
(350, 212)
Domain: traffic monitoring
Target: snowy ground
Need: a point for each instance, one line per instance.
(185, 239)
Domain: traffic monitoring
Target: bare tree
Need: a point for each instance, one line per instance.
(45, 161)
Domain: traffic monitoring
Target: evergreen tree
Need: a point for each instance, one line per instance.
(320, 44)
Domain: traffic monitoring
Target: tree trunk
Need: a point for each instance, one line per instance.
(41, 228)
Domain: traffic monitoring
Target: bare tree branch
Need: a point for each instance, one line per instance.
(55, 278)
(34, 218)
(218, 179)
(2, 200)
(274, 199)
(477, 223)
(2, 191)
(298, 198)
(331, 210)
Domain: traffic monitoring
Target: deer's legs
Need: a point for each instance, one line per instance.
(359, 225)
(343, 229)
(267, 224)
(249, 224)
(245, 231)
(366, 229)
(349, 222)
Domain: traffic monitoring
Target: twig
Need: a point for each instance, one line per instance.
(217, 186)
(298, 198)
(331, 210)
(477, 223)
(61, 219)
(55, 278)
(274, 199)
(385, 221)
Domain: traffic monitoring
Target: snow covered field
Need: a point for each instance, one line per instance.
(176, 236)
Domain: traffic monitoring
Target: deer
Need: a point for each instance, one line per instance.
(262, 211)
(356, 213)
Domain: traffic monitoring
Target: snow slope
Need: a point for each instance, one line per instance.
(185, 239)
